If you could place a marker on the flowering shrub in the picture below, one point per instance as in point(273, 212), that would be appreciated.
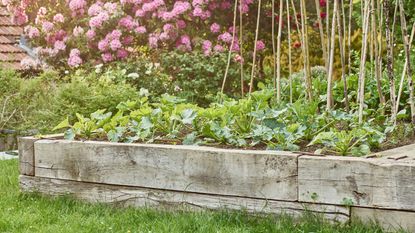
point(74, 31)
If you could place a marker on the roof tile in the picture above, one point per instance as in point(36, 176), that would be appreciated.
point(10, 30)
point(3, 11)
point(10, 54)
point(6, 48)
point(6, 21)
point(13, 57)
point(6, 40)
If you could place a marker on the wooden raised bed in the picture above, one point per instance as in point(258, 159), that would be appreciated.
point(340, 188)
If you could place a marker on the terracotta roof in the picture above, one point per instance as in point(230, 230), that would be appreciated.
point(10, 53)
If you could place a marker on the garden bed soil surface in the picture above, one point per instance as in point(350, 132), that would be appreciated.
point(378, 187)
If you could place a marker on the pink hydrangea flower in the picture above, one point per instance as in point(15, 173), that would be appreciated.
point(59, 18)
point(238, 58)
point(59, 45)
point(260, 45)
point(77, 6)
point(218, 48)
point(31, 32)
point(207, 47)
point(225, 37)
point(127, 22)
point(74, 58)
point(115, 45)
point(181, 24)
point(140, 30)
point(122, 53)
point(78, 31)
point(95, 9)
point(185, 43)
point(215, 28)
point(111, 7)
point(153, 41)
point(107, 57)
point(128, 40)
point(47, 26)
point(90, 34)
point(103, 45)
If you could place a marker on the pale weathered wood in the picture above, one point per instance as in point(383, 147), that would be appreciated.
point(26, 155)
point(259, 174)
point(390, 220)
point(405, 153)
point(367, 182)
point(143, 197)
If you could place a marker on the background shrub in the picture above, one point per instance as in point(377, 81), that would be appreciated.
point(42, 101)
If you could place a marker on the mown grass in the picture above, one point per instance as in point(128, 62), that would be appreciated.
point(34, 213)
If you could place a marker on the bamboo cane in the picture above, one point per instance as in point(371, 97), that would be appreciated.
point(304, 32)
point(377, 57)
point(349, 36)
point(408, 60)
point(343, 60)
point(398, 99)
point(321, 30)
point(331, 61)
point(274, 57)
point(230, 49)
point(389, 57)
point(279, 51)
point(362, 70)
point(289, 51)
point(241, 46)
point(251, 83)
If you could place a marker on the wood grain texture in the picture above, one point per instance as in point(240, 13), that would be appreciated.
point(143, 197)
point(390, 220)
point(259, 174)
point(375, 182)
point(26, 155)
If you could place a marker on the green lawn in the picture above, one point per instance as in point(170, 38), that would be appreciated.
point(33, 213)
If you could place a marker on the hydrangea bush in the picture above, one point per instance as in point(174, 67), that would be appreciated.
point(71, 32)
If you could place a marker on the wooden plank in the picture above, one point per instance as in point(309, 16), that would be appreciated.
point(26, 155)
point(259, 174)
point(143, 197)
point(391, 220)
point(377, 182)
point(404, 152)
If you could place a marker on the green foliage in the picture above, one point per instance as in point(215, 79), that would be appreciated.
point(353, 142)
point(193, 76)
point(42, 101)
point(249, 122)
